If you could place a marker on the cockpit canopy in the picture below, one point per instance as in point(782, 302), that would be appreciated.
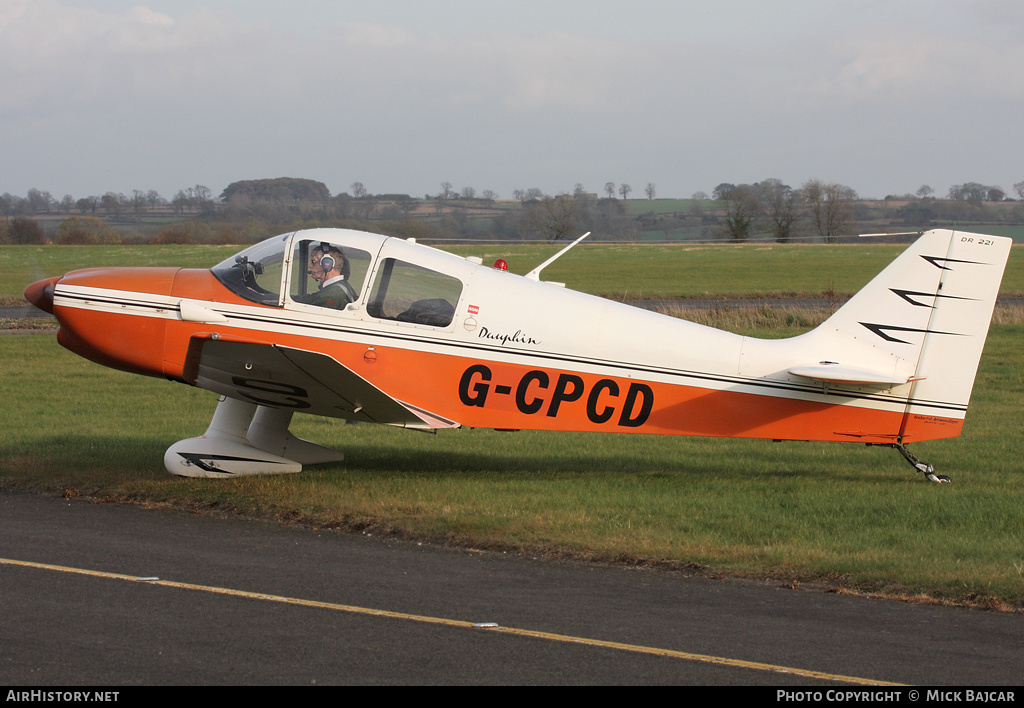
point(288, 271)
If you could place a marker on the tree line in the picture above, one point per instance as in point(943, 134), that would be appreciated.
point(196, 199)
point(250, 209)
point(829, 209)
point(775, 207)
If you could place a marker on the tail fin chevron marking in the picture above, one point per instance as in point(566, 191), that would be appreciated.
point(878, 329)
point(909, 294)
point(934, 260)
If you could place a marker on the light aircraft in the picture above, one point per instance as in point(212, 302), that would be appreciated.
point(425, 339)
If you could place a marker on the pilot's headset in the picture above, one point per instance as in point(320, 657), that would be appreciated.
point(327, 261)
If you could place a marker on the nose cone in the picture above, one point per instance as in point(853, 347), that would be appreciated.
point(40, 293)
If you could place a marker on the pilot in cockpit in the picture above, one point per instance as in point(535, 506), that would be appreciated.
point(329, 267)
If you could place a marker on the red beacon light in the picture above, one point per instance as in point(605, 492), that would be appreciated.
point(501, 264)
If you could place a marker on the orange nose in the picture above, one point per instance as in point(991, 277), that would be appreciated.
point(40, 293)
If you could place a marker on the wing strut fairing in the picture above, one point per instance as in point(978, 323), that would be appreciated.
point(245, 439)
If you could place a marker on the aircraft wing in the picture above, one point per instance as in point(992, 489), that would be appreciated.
point(297, 379)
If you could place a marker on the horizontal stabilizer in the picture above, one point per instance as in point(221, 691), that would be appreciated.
point(833, 372)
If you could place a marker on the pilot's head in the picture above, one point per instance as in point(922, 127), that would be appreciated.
point(326, 263)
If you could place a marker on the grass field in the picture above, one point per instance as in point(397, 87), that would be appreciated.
point(847, 516)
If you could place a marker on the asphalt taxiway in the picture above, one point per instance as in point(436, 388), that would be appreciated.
point(121, 595)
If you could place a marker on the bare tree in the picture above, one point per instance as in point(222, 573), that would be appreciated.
point(1018, 187)
point(364, 209)
point(554, 218)
point(831, 207)
point(446, 191)
point(111, 204)
point(813, 193)
point(624, 190)
point(722, 190)
point(970, 192)
point(10, 204)
point(779, 206)
point(138, 201)
point(609, 189)
point(358, 190)
point(468, 193)
point(741, 212)
point(39, 202)
point(202, 199)
point(649, 190)
point(407, 204)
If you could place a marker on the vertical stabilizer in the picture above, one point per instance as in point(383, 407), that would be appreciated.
point(923, 321)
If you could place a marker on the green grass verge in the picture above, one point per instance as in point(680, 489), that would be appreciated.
point(847, 515)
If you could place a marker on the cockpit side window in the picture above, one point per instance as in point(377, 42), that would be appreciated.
point(406, 292)
point(255, 273)
point(328, 274)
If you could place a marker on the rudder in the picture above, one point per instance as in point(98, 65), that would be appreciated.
point(970, 273)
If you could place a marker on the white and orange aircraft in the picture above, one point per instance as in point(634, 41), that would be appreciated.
point(416, 337)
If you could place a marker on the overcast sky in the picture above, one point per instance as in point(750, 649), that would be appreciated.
point(402, 95)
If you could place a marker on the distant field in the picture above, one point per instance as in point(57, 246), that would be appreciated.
point(631, 270)
point(664, 206)
point(1014, 232)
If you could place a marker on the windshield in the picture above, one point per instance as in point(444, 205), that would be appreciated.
point(255, 273)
